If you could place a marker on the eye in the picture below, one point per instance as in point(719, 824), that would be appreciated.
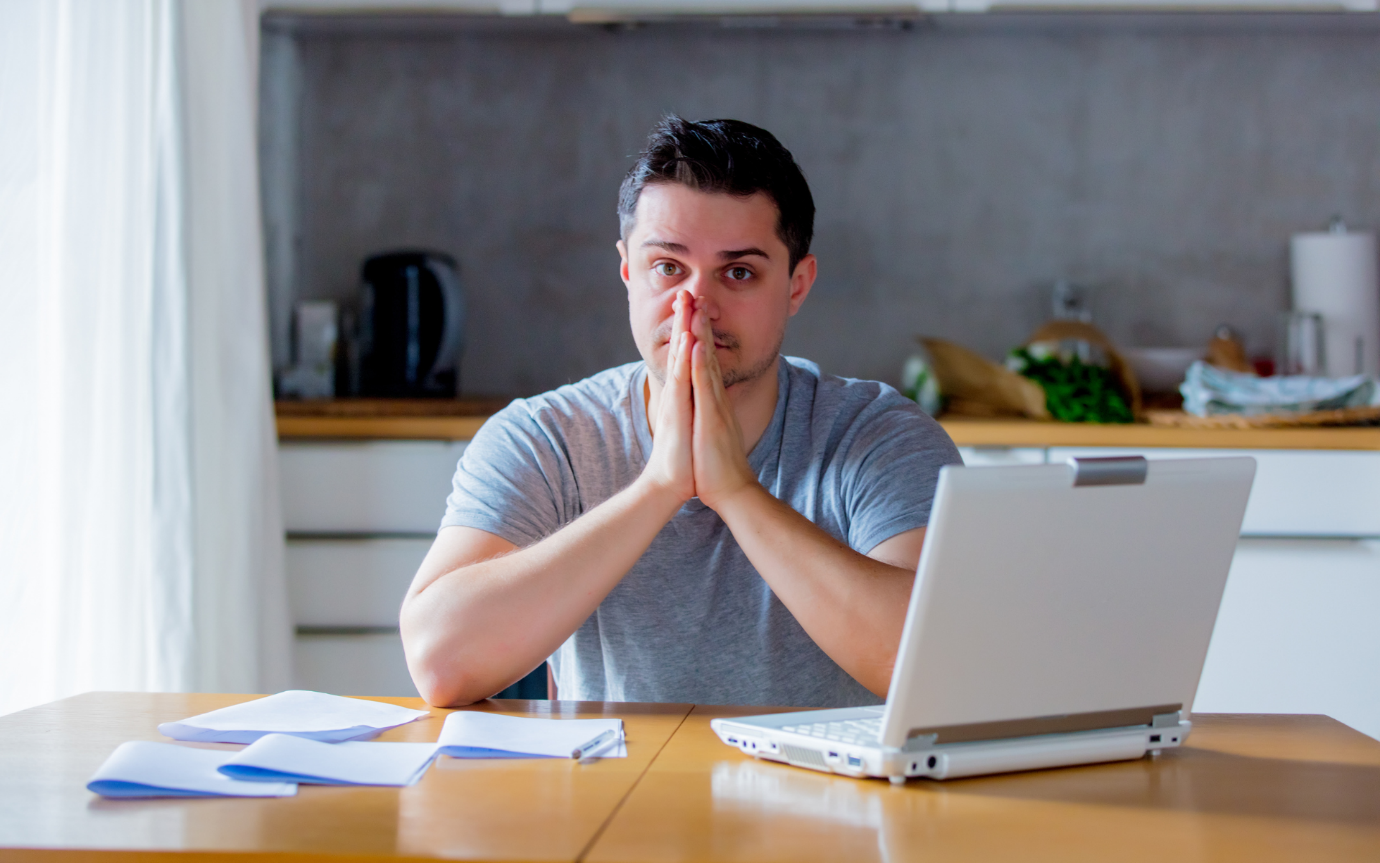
point(666, 268)
point(739, 274)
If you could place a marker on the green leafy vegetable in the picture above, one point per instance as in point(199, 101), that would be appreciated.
point(1074, 391)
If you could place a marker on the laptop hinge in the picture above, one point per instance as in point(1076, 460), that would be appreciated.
point(1117, 470)
point(1157, 716)
point(1167, 720)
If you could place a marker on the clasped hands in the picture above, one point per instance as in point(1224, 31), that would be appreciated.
point(697, 444)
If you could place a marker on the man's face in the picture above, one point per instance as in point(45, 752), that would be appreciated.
point(726, 252)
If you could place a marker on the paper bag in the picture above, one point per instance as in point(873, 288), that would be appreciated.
point(973, 385)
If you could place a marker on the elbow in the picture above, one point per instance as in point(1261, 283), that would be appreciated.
point(440, 684)
point(437, 669)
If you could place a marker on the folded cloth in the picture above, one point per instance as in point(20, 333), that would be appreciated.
point(1208, 391)
point(286, 758)
point(314, 715)
point(142, 768)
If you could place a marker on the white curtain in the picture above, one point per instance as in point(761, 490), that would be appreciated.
point(141, 541)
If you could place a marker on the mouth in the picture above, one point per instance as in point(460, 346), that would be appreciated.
point(722, 342)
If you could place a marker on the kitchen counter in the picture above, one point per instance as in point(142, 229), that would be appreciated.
point(387, 419)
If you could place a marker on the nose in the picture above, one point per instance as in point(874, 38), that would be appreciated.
point(703, 288)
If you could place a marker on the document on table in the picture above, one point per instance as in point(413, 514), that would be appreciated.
point(286, 758)
point(470, 734)
point(314, 715)
point(142, 768)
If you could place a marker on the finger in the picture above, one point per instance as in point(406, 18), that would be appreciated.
point(673, 352)
point(703, 379)
point(684, 306)
point(696, 364)
point(682, 368)
point(704, 329)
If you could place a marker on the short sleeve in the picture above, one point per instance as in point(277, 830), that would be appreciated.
point(510, 480)
point(891, 469)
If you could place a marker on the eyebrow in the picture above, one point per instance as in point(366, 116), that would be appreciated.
point(727, 255)
point(667, 245)
point(743, 253)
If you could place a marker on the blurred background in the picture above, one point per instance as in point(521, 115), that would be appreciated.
point(961, 165)
point(270, 264)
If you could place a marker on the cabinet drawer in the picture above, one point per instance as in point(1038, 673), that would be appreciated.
point(1296, 632)
point(351, 582)
point(995, 456)
point(366, 487)
point(353, 665)
point(1296, 492)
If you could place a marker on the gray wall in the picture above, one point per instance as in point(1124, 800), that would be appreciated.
point(957, 170)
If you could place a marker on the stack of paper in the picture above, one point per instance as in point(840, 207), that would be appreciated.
point(468, 734)
point(293, 736)
point(314, 715)
point(285, 758)
point(141, 768)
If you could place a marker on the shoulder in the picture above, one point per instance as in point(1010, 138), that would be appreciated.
point(585, 405)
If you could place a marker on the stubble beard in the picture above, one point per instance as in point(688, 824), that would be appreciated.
point(732, 376)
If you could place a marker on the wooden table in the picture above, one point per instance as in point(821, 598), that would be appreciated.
point(1245, 788)
point(529, 809)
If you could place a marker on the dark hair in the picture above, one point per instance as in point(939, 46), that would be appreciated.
point(727, 156)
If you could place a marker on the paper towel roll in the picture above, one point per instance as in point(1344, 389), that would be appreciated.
point(1334, 274)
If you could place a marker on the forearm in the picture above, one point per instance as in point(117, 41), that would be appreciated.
point(478, 628)
point(852, 606)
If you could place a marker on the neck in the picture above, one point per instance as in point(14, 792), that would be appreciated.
point(754, 403)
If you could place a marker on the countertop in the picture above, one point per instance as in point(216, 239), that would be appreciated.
point(388, 419)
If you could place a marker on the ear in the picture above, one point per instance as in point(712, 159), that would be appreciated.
point(623, 267)
point(801, 281)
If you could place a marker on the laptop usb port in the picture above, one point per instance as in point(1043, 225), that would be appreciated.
point(854, 761)
point(1154, 738)
point(733, 740)
point(834, 755)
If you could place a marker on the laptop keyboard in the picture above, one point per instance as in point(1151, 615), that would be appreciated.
point(860, 732)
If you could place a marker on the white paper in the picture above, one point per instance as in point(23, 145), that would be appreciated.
point(142, 768)
point(286, 758)
point(314, 715)
point(470, 734)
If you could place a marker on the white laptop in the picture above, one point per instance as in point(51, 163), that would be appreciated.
point(1061, 615)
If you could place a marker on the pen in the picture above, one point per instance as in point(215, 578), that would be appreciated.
point(597, 743)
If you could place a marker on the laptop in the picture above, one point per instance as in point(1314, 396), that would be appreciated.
point(1061, 615)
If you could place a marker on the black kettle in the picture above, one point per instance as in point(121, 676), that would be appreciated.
point(411, 325)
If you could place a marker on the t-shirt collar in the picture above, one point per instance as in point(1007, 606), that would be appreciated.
point(761, 451)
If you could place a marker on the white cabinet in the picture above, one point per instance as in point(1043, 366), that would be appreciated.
point(360, 517)
point(370, 664)
point(1296, 492)
point(997, 456)
point(367, 487)
point(1162, 5)
point(1298, 632)
point(351, 582)
point(1299, 627)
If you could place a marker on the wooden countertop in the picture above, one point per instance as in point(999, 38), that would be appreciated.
point(459, 420)
point(1261, 788)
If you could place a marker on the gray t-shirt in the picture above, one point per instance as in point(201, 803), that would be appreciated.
point(692, 621)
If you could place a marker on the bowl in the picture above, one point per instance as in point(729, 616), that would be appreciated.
point(1161, 370)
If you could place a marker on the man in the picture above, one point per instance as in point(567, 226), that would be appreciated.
point(715, 524)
